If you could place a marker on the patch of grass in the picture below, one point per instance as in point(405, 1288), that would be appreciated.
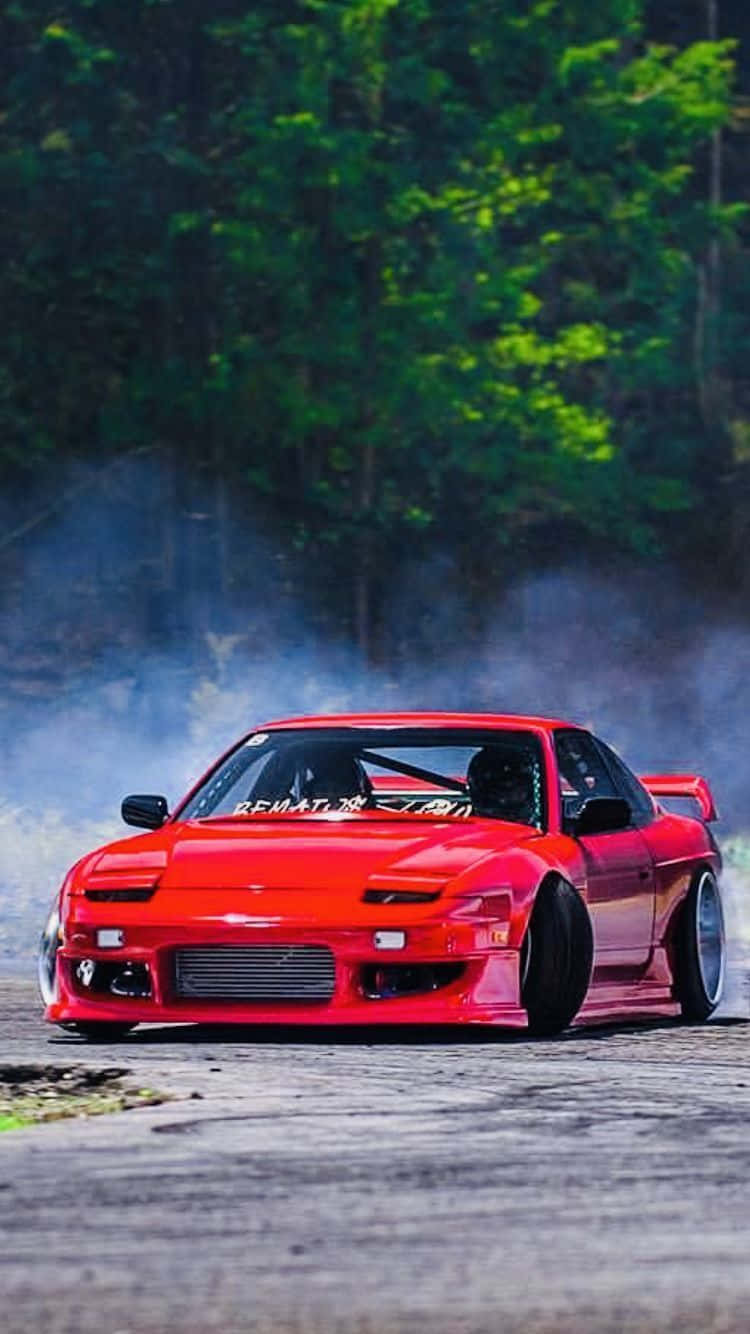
point(31, 1094)
point(12, 1122)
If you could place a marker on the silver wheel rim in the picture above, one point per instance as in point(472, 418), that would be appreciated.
point(709, 935)
point(47, 960)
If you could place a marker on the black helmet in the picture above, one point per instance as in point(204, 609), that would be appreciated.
point(332, 772)
point(502, 782)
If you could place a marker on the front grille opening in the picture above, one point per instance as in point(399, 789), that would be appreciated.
point(123, 978)
point(119, 895)
point(384, 981)
point(255, 973)
point(400, 896)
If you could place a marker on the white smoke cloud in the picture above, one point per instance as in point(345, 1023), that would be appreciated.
point(631, 652)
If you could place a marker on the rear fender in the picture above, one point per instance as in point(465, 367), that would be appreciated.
point(672, 924)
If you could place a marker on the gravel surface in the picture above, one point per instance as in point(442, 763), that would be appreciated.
point(378, 1185)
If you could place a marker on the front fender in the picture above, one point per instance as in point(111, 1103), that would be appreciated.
point(521, 871)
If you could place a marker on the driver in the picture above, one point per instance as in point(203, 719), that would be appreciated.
point(310, 773)
point(332, 772)
point(501, 783)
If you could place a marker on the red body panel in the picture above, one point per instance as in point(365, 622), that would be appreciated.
point(299, 879)
point(683, 785)
point(620, 899)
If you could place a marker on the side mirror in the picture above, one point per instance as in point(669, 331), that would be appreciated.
point(146, 812)
point(601, 815)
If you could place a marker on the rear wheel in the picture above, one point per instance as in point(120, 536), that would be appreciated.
point(556, 958)
point(700, 949)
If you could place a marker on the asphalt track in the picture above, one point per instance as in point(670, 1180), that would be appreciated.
point(372, 1184)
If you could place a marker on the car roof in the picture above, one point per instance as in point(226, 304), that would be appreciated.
point(498, 720)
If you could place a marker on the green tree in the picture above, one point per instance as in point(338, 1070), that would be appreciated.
point(407, 271)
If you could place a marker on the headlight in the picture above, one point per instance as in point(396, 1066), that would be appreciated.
point(389, 940)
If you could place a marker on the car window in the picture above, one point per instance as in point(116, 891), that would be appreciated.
point(628, 785)
point(495, 773)
point(582, 771)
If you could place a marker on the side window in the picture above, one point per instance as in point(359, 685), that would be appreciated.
point(628, 786)
point(583, 772)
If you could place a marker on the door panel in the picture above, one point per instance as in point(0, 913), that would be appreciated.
point(619, 865)
point(620, 873)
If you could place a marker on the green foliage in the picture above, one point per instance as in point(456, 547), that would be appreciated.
point(397, 266)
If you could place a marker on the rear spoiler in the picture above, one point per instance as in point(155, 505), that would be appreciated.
point(683, 785)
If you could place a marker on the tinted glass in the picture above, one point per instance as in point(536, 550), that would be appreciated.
point(628, 785)
point(448, 772)
point(583, 772)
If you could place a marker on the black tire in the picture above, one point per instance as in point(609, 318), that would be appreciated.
point(556, 958)
point(96, 1031)
point(700, 949)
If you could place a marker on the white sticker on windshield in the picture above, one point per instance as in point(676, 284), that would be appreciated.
point(437, 807)
point(257, 740)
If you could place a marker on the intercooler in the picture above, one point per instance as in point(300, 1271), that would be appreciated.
point(255, 973)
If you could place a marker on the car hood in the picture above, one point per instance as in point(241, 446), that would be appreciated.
point(305, 854)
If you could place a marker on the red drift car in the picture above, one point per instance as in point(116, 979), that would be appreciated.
point(403, 868)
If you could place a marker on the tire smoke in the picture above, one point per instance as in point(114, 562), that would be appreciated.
point(100, 699)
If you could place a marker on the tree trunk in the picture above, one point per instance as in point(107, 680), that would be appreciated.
point(368, 417)
point(711, 404)
point(363, 575)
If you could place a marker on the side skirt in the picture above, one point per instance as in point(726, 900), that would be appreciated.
point(641, 1000)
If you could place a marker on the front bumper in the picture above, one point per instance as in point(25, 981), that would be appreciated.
point(486, 991)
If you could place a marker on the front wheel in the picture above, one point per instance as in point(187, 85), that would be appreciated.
point(47, 957)
point(700, 949)
point(556, 958)
point(47, 977)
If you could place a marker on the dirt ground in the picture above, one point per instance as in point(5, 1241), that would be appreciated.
point(376, 1184)
point(34, 1093)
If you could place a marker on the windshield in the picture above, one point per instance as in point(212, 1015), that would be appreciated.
point(444, 772)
